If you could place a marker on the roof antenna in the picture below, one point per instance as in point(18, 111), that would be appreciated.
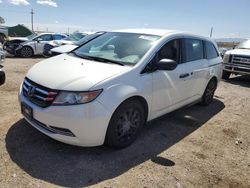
point(211, 32)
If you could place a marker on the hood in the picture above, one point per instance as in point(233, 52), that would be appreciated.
point(18, 38)
point(64, 48)
point(239, 52)
point(65, 72)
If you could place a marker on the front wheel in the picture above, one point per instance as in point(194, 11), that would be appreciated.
point(26, 52)
point(125, 124)
point(208, 95)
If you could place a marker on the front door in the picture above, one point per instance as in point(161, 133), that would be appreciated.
point(40, 42)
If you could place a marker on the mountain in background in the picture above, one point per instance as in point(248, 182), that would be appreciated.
point(236, 40)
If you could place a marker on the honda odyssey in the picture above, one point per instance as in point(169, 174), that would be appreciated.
point(105, 90)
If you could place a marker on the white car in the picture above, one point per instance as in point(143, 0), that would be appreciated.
point(69, 47)
point(32, 45)
point(107, 89)
point(237, 61)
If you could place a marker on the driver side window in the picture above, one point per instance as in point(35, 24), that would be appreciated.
point(45, 37)
point(170, 50)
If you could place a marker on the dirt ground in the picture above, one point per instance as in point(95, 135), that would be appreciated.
point(192, 147)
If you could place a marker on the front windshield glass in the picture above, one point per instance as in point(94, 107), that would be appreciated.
point(125, 48)
point(75, 36)
point(244, 45)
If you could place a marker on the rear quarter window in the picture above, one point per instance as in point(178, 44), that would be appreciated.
point(211, 51)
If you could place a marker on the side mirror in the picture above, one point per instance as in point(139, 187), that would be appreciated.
point(110, 47)
point(38, 39)
point(166, 64)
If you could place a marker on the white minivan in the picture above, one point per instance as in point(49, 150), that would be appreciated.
point(107, 89)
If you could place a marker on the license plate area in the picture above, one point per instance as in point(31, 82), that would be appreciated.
point(27, 111)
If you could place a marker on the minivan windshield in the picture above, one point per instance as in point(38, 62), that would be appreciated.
point(244, 45)
point(119, 48)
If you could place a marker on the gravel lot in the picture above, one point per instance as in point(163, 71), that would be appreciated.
point(192, 147)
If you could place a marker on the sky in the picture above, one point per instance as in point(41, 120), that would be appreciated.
point(229, 18)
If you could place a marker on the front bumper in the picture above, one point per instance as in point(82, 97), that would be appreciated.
point(88, 122)
point(239, 69)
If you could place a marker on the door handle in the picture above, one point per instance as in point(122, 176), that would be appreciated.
point(184, 75)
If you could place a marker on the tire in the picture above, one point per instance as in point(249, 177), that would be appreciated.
point(2, 78)
point(125, 124)
point(46, 55)
point(208, 95)
point(26, 52)
point(226, 75)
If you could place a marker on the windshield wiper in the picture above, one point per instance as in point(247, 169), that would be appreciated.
point(75, 54)
point(107, 60)
point(244, 48)
point(98, 59)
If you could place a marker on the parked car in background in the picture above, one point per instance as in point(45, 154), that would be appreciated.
point(3, 34)
point(69, 47)
point(237, 61)
point(70, 40)
point(2, 73)
point(31, 45)
point(108, 88)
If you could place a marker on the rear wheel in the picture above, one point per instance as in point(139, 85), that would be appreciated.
point(26, 52)
point(208, 95)
point(226, 75)
point(125, 124)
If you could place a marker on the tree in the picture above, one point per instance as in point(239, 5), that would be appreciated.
point(2, 21)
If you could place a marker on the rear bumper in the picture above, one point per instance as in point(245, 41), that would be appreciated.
point(239, 69)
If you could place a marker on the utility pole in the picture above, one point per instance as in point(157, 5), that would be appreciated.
point(32, 13)
point(211, 32)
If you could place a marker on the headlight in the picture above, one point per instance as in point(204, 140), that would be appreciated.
point(226, 58)
point(72, 98)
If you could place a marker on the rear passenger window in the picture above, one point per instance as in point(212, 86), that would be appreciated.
point(192, 50)
point(211, 50)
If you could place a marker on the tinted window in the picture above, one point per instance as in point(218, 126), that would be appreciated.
point(58, 37)
point(45, 37)
point(170, 51)
point(211, 50)
point(192, 50)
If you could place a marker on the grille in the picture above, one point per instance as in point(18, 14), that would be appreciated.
point(241, 60)
point(37, 94)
